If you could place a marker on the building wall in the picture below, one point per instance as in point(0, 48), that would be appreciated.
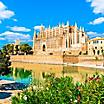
point(40, 59)
point(96, 46)
point(45, 59)
point(70, 59)
point(55, 59)
point(60, 38)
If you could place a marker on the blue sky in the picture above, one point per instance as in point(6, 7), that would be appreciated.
point(18, 17)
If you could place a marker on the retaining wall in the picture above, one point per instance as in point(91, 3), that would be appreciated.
point(51, 59)
point(40, 59)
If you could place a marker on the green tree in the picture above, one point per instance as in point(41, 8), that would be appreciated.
point(4, 64)
point(11, 49)
point(25, 48)
point(8, 49)
point(16, 49)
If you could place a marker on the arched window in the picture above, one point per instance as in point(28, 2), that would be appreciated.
point(66, 44)
point(98, 52)
point(44, 47)
point(94, 52)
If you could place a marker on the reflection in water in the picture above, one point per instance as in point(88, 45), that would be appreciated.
point(22, 75)
point(13, 86)
point(78, 73)
point(4, 95)
point(19, 75)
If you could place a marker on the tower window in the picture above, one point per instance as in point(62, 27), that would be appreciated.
point(71, 41)
point(98, 52)
point(36, 36)
point(44, 47)
point(97, 41)
point(95, 47)
point(66, 44)
point(94, 52)
point(82, 34)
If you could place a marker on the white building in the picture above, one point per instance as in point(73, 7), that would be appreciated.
point(95, 46)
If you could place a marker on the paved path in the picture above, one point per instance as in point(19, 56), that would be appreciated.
point(8, 100)
point(5, 95)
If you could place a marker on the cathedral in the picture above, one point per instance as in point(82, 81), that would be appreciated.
point(61, 39)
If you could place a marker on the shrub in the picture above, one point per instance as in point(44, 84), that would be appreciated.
point(63, 91)
point(93, 90)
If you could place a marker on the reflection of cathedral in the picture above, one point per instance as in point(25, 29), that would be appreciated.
point(59, 39)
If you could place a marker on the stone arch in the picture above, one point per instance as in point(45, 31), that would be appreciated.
point(98, 52)
point(66, 43)
point(44, 47)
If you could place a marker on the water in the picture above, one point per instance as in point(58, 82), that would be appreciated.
point(19, 76)
point(38, 70)
point(23, 73)
point(19, 79)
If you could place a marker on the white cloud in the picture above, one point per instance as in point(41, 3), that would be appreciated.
point(11, 36)
point(92, 34)
point(88, 0)
point(97, 5)
point(0, 22)
point(2, 38)
point(38, 27)
point(2, 6)
point(97, 21)
point(15, 20)
point(4, 12)
point(19, 29)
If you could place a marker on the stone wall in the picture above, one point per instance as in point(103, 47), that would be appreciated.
point(83, 58)
point(70, 59)
point(45, 59)
point(40, 59)
point(52, 59)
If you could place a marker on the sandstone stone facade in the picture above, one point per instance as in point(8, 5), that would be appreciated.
point(59, 40)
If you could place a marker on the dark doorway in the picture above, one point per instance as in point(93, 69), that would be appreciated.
point(66, 44)
point(98, 52)
point(94, 52)
point(44, 47)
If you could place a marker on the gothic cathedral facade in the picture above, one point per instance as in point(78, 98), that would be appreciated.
point(59, 39)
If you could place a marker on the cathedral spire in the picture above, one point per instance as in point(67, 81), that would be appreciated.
point(62, 24)
point(83, 29)
point(67, 23)
point(80, 28)
point(75, 24)
point(34, 32)
point(41, 27)
point(49, 27)
point(59, 24)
